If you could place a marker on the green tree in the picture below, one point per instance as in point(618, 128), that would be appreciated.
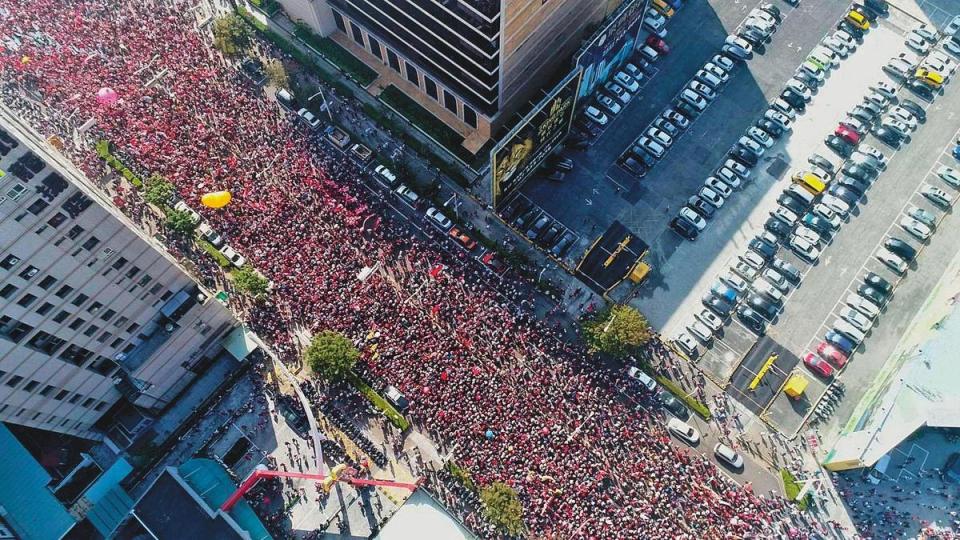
point(231, 35)
point(180, 222)
point(276, 73)
point(248, 281)
point(331, 355)
point(159, 191)
point(502, 507)
point(617, 331)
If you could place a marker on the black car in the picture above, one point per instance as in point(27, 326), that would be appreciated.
point(701, 207)
point(773, 11)
point(817, 223)
point(526, 217)
point(792, 203)
point(762, 306)
point(634, 167)
point(845, 194)
point(878, 283)
point(857, 186)
point(551, 234)
point(763, 248)
point(915, 109)
point(865, 115)
point(851, 29)
point(778, 228)
point(921, 90)
point(686, 109)
point(773, 128)
point(684, 228)
point(719, 305)
point(807, 79)
point(822, 162)
point(878, 6)
point(755, 37)
point(889, 137)
point(787, 270)
point(673, 405)
point(860, 171)
point(560, 248)
point(745, 155)
point(646, 159)
point(868, 13)
point(516, 207)
point(901, 248)
point(905, 135)
point(752, 320)
point(872, 294)
point(794, 99)
point(841, 146)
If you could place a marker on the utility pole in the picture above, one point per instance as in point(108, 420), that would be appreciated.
point(326, 105)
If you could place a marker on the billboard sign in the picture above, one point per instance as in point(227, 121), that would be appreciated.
point(610, 46)
point(519, 154)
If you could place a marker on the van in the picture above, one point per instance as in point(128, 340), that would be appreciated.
point(858, 20)
point(662, 8)
point(849, 330)
point(286, 99)
point(649, 53)
point(810, 182)
point(801, 194)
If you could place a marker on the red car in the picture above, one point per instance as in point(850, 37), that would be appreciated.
point(835, 355)
point(463, 239)
point(818, 365)
point(848, 134)
point(658, 44)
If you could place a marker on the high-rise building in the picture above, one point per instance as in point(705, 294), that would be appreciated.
point(94, 316)
point(473, 63)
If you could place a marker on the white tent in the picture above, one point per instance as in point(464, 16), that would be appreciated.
point(422, 517)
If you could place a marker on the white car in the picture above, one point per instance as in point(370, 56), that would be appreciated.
point(407, 194)
point(700, 331)
point(885, 88)
point(725, 63)
point(660, 136)
point(183, 207)
point(654, 21)
point(710, 319)
point(309, 118)
point(836, 45)
point(896, 125)
point(627, 81)
point(863, 305)
point(737, 167)
point(686, 344)
point(753, 259)
point(919, 230)
point(760, 136)
point(778, 117)
point(902, 115)
point(653, 147)
point(808, 234)
point(825, 56)
point(951, 46)
point(949, 175)
point(857, 319)
point(839, 206)
point(875, 154)
point(892, 260)
point(711, 197)
point(684, 431)
point(675, 118)
point(645, 380)
point(693, 98)
point(717, 185)
point(777, 280)
point(952, 27)
point(717, 71)
point(609, 104)
point(727, 455)
point(439, 219)
point(738, 42)
point(703, 90)
point(746, 271)
point(804, 249)
point(785, 215)
point(782, 106)
point(385, 174)
point(696, 219)
point(937, 66)
point(813, 69)
point(735, 282)
point(617, 91)
point(927, 33)
point(916, 42)
point(844, 37)
point(944, 59)
point(210, 235)
point(828, 215)
point(803, 90)
point(936, 195)
point(235, 258)
point(729, 177)
point(752, 145)
point(709, 78)
point(596, 115)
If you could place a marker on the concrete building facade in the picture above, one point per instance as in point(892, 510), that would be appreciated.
point(93, 316)
point(473, 63)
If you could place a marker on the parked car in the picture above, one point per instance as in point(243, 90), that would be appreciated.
point(683, 431)
point(818, 365)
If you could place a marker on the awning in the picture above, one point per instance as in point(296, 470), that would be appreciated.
point(239, 343)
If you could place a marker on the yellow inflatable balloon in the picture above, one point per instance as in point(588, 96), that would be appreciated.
point(217, 199)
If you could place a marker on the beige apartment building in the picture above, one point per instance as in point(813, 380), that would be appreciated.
point(93, 316)
point(473, 63)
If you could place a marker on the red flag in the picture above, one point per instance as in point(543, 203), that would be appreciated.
point(435, 309)
point(435, 271)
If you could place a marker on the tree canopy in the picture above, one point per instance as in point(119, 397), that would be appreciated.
point(231, 35)
point(331, 355)
point(276, 73)
point(180, 222)
point(618, 331)
point(158, 190)
point(248, 281)
point(502, 507)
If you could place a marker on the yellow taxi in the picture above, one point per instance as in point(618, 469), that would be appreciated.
point(809, 181)
point(929, 77)
point(857, 19)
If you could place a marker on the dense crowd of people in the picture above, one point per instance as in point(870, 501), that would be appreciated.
point(483, 376)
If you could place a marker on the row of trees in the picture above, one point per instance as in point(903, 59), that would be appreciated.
point(232, 36)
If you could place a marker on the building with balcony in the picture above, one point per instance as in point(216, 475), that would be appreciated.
point(96, 320)
point(472, 63)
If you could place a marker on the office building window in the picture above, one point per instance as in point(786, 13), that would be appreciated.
point(29, 272)
point(103, 365)
point(338, 18)
point(31, 385)
point(116, 343)
point(61, 395)
point(412, 75)
point(74, 232)
point(26, 300)
point(47, 282)
point(357, 34)
point(45, 308)
point(431, 87)
point(57, 220)
point(104, 337)
point(87, 403)
point(45, 343)
point(14, 381)
point(119, 263)
point(62, 316)
point(91, 330)
point(76, 355)
point(75, 398)
point(469, 116)
point(120, 322)
point(375, 47)
point(80, 299)
point(38, 206)
point(64, 291)
point(91, 243)
point(7, 291)
point(94, 307)
point(132, 328)
point(132, 272)
point(77, 323)
point(47, 389)
point(9, 262)
point(449, 102)
point(393, 60)
point(107, 315)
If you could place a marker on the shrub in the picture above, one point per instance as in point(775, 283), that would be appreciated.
point(221, 260)
point(461, 475)
point(351, 66)
point(180, 222)
point(248, 281)
point(392, 414)
point(159, 191)
point(702, 410)
point(791, 489)
point(423, 119)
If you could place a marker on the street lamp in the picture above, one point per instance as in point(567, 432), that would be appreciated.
point(326, 105)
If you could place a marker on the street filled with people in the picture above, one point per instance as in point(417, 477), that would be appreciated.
point(482, 374)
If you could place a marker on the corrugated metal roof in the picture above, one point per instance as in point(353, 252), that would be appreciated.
point(110, 510)
point(32, 510)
